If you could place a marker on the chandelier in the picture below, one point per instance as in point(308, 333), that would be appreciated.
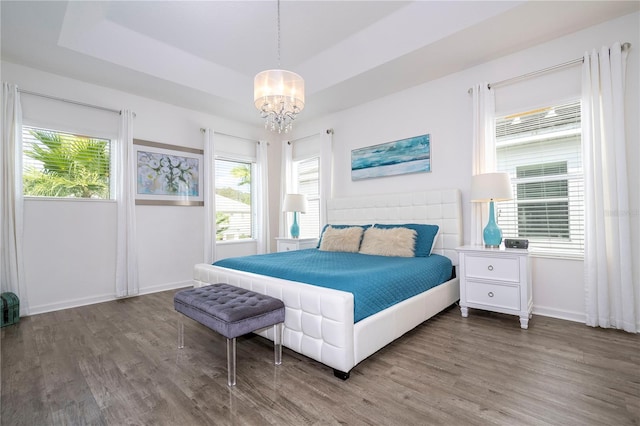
point(278, 95)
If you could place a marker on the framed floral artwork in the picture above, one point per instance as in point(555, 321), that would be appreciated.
point(168, 174)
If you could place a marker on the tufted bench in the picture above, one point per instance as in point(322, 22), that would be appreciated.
point(232, 312)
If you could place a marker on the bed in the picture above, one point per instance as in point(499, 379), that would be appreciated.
point(319, 321)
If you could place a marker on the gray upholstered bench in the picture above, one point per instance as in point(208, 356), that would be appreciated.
point(232, 312)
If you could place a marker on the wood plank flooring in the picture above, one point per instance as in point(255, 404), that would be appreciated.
point(116, 363)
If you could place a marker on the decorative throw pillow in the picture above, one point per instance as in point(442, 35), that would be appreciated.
point(364, 228)
point(426, 237)
point(398, 242)
point(341, 239)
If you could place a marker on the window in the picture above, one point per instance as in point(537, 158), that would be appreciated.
point(542, 152)
point(543, 206)
point(65, 165)
point(234, 200)
point(306, 168)
point(307, 178)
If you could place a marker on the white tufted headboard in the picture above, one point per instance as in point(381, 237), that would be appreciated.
point(441, 207)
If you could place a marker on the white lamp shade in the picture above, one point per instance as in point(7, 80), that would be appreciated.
point(295, 203)
point(275, 86)
point(491, 186)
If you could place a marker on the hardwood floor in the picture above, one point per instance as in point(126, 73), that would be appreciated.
point(117, 363)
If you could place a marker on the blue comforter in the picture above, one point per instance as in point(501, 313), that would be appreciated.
point(376, 282)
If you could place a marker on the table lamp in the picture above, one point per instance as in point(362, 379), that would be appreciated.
point(295, 203)
point(491, 187)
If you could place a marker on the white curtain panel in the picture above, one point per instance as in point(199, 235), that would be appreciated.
point(262, 199)
point(126, 245)
point(484, 151)
point(326, 172)
point(209, 198)
point(609, 286)
point(11, 200)
point(287, 185)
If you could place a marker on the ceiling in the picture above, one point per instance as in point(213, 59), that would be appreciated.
point(203, 55)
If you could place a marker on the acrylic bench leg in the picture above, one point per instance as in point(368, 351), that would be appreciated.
point(180, 334)
point(231, 361)
point(277, 343)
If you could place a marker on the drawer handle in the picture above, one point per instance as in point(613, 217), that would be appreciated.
point(490, 294)
point(490, 267)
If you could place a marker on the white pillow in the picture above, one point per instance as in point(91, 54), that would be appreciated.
point(398, 242)
point(341, 239)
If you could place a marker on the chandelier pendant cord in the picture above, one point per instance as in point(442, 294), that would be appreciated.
point(278, 33)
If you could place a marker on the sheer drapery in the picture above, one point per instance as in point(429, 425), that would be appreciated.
point(484, 151)
point(609, 287)
point(11, 200)
point(262, 199)
point(209, 198)
point(286, 187)
point(127, 283)
point(326, 174)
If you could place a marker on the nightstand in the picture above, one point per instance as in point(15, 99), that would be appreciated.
point(290, 244)
point(496, 279)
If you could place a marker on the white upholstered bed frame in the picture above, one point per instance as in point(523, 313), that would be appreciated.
point(319, 321)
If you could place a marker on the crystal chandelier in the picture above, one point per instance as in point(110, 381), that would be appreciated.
point(278, 95)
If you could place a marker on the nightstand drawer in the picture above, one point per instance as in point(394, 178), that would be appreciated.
point(492, 268)
point(282, 246)
point(502, 296)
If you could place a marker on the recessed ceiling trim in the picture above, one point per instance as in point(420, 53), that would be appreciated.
point(86, 30)
point(409, 28)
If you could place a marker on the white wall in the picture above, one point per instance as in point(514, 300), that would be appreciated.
point(443, 109)
point(69, 246)
point(65, 268)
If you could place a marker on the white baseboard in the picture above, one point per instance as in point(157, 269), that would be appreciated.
point(565, 315)
point(74, 303)
point(560, 314)
point(164, 287)
point(91, 300)
point(69, 303)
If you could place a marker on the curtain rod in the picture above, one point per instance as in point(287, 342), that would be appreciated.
point(202, 129)
point(69, 101)
point(625, 46)
point(328, 131)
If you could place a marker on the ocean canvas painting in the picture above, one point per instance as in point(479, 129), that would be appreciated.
point(411, 155)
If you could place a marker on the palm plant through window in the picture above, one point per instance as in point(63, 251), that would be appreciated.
point(58, 164)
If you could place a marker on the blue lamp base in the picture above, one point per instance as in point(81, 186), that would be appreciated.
point(492, 234)
point(295, 229)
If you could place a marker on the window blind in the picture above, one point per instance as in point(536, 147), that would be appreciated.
point(308, 182)
point(76, 119)
point(64, 165)
point(305, 155)
point(306, 147)
point(234, 211)
point(234, 147)
point(542, 152)
point(72, 157)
